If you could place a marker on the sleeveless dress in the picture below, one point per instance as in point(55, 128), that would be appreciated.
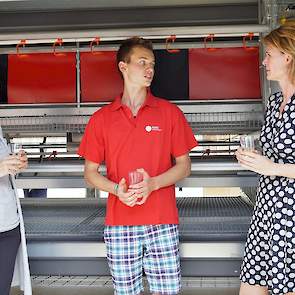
point(269, 258)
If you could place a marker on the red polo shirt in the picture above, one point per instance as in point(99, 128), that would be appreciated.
point(151, 140)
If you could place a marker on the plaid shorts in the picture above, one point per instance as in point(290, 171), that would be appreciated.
point(152, 248)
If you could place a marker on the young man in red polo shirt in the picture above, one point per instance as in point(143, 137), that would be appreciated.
point(139, 132)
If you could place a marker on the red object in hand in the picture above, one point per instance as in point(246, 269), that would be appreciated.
point(135, 177)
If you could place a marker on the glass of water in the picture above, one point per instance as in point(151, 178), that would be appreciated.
point(16, 148)
point(247, 142)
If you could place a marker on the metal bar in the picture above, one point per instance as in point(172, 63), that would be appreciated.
point(189, 106)
point(208, 164)
point(218, 143)
point(121, 34)
point(24, 5)
point(195, 180)
point(113, 47)
point(78, 81)
point(230, 180)
point(64, 145)
point(41, 145)
point(51, 182)
point(51, 249)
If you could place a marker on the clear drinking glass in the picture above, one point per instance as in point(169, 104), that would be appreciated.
point(247, 142)
point(16, 148)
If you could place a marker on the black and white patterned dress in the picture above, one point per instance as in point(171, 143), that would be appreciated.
point(269, 258)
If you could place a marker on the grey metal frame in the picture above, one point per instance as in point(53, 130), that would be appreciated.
point(76, 258)
point(213, 259)
point(207, 117)
point(69, 174)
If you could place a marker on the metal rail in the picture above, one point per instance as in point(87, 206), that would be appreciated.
point(205, 117)
point(205, 173)
point(198, 165)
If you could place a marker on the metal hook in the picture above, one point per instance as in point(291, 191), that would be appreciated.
point(58, 42)
point(23, 44)
point(170, 40)
point(211, 37)
point(96, 40)
point(250, 36)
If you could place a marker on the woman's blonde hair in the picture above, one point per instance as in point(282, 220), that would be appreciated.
point(283, 38)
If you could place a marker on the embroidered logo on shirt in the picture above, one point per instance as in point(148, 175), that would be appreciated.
point(149, 128)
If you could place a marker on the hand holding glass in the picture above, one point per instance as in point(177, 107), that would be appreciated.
point(247, 142)
point(135, 177)
point(16, 148)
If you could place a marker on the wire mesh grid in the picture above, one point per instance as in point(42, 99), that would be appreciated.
point(74, 221)
point(45, 124)
point(226, 218)
point(200, 219)
point(210, 122)
point(225, 122)
point(106, 281)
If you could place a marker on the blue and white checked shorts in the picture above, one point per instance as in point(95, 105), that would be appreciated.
point(152, 248)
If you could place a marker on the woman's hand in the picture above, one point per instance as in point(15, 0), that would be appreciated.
point(22, 156)
point(254, 161)
point(11, 165)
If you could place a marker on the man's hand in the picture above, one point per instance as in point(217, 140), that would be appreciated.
point(255, 162)
point(143, 189)
point(127, 197)
point(11, 165)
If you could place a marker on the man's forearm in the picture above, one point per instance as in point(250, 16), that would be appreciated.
point(171, 176)
point(99, 181)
